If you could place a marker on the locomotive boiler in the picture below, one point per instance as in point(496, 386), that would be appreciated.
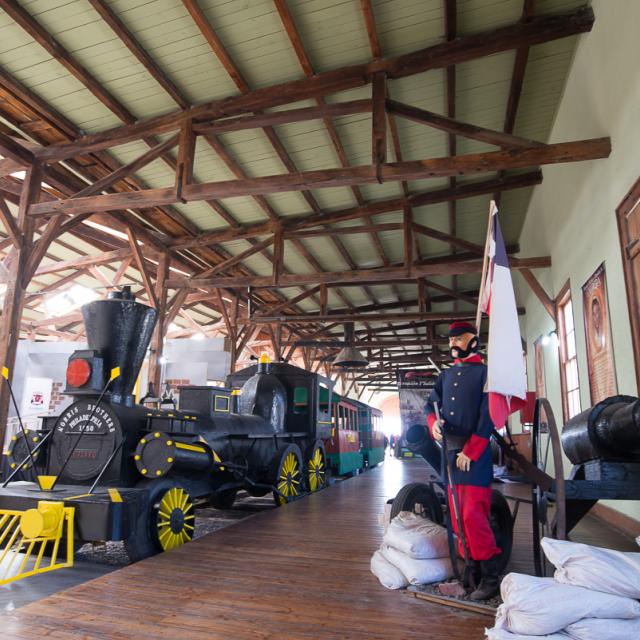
point(134, 474)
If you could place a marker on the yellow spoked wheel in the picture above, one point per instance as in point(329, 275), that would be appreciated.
point(288, 479)
point(176, 518)
point(317, 469)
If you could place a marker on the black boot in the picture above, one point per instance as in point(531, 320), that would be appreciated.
point(490, 583)
point(472, 575)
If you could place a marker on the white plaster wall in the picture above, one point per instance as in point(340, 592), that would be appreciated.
point(571, 216)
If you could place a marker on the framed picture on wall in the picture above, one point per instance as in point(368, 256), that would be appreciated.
point(602, 372)
point(541, 389)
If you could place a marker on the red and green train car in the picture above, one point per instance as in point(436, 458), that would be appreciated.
point(356, 441)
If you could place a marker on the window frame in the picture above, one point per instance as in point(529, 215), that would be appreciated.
point(562, 299)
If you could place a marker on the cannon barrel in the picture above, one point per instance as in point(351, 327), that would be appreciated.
point(419, 441)
point(608, 431)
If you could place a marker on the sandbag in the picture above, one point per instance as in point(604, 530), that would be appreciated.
point(503, 634)
point(615, 572)
point(539, 606)
point(418, 571)
point(417, 537)
point(603, 629)
point(389, 576)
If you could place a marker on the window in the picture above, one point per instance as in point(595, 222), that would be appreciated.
point(221, 403)
point(568, 361)
point(301, 400)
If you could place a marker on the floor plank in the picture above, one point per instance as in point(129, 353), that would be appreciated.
point(301, 571)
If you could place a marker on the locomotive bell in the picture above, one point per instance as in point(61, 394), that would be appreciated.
point(120, 329)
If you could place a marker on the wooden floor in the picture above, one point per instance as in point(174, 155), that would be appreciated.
point(301, 571)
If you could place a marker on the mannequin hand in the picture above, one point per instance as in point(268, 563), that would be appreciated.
point(463, 462)
point(437, 430)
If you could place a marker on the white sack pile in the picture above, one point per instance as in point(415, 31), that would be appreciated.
point(592, 596)
point(414, 551)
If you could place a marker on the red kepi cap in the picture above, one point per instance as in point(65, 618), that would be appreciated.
point(458, 328)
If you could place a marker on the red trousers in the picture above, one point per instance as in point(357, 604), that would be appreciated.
point(475, 507)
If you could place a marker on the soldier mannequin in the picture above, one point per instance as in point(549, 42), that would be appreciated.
point(459, 393)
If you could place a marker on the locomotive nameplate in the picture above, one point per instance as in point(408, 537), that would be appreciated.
point(90, 432)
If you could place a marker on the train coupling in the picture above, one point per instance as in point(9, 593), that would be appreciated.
point(36, 540)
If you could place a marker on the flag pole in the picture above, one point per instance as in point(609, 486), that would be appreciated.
point(485, 263)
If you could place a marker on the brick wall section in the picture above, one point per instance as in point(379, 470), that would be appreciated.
point(57, 397)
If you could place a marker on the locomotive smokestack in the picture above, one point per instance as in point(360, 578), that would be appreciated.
point(120, 328)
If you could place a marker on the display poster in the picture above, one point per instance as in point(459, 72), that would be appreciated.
point(36, 396)
point(602, 373)
point(414, 386)
point(541, 391)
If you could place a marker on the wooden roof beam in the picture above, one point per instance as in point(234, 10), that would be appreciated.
point(13, 150)
point(469, 164)
point(457, 127)
point(78, 71)
point(224, 58)
point(540, 29)
point(378, 275)
point(517, 79)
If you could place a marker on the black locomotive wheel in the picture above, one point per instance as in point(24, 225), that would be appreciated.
point(316, 467)
point(167, 522)
point(287, 474)
point(548, 508)
point(419, 498)
point(501, 522)
point(17, 451)
point(223, 499)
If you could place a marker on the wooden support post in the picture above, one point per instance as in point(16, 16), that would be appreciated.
point(10, 224)
point(186, 153)
point(14, 295)
point(278, 254)
point(379, 123)
point(424, 304)
point(323, 299)
point(157, 339)
point(142, 267)
point(407, 220)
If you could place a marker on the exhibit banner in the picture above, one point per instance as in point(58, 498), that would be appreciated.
point(414, 386)
point(602, 373)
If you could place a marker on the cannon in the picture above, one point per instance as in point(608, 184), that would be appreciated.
point(603, 444)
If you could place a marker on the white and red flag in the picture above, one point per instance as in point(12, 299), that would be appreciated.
point(506, 377)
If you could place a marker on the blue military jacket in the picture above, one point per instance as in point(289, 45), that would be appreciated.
point(464, 407)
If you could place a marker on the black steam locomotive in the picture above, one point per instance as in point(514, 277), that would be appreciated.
point(136, 474)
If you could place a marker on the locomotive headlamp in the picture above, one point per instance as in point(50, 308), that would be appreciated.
point(78, 372)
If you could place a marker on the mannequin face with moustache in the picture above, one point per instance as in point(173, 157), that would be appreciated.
point(458, 345)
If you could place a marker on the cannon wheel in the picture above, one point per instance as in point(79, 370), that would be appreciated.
point(544, 521)
point(316, 467)
point(287, 474)
point(419, 498)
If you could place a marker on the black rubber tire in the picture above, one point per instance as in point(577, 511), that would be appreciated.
point(142, 543)
point(418, 493)
point(276, 469)
point(501, 522)
point(223, 499)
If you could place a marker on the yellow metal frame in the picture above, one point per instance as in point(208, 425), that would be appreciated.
point(53, 521)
